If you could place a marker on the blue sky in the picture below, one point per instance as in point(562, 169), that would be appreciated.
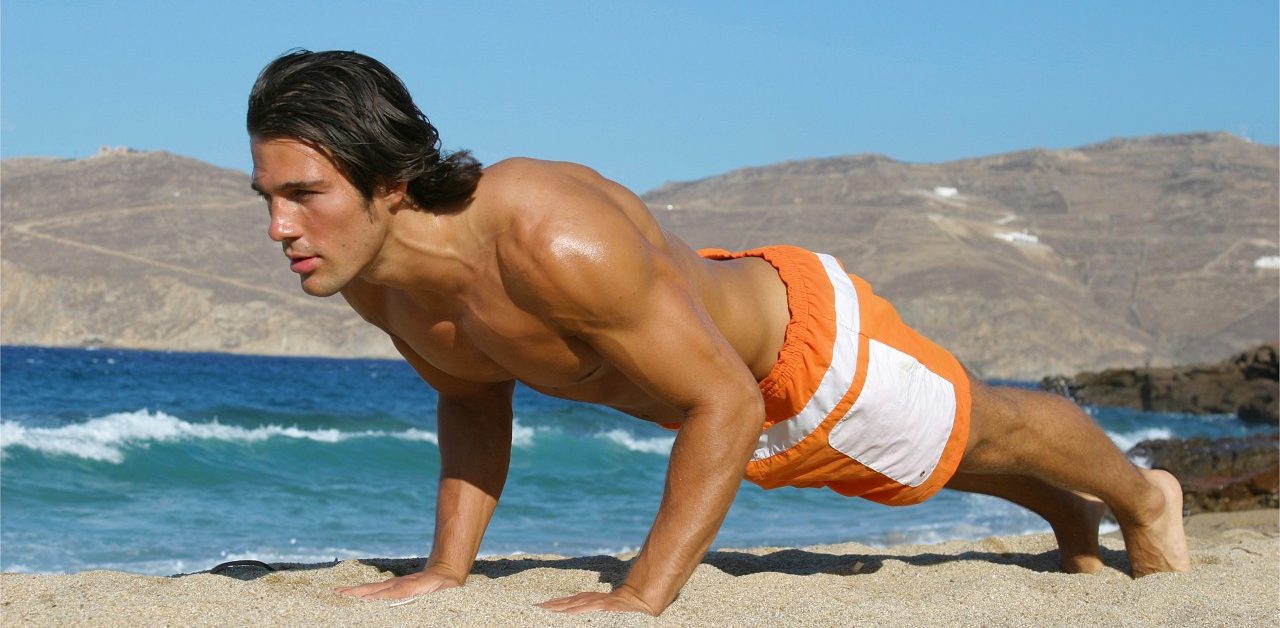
point(656, 91)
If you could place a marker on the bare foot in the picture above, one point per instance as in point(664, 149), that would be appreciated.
point(1077, 534)
point(1159, 544)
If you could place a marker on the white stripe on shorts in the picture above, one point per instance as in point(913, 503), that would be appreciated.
point(902, 419)
point(785, 434)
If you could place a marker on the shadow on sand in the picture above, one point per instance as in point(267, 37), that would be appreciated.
point(612, 570)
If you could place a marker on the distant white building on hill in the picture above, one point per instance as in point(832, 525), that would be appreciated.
point(105, 150)
point(1018, 237)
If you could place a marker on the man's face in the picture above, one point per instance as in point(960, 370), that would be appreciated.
point(329, 232)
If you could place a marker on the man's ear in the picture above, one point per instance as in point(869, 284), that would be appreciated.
point(394, 195)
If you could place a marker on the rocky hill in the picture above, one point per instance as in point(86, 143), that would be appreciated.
point(155, 251)
point(1159, 250)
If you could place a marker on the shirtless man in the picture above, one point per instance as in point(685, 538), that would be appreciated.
point(774, 361)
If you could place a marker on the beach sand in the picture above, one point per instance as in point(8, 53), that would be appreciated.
point(1235, 581)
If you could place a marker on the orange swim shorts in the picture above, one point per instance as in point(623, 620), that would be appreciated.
point(857, 402)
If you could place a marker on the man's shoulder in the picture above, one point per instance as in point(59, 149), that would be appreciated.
point(563, 231)
point(529, 170)
point(538, 201)
point(531, 184)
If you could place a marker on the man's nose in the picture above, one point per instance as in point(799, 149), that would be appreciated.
point(283, 226)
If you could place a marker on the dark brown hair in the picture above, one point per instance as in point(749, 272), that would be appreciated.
point(361, 114)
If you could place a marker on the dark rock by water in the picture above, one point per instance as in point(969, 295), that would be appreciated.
point(1244, 385)
point(1219, 475)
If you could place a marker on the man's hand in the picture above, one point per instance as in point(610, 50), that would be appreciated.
point(427, 581)
point(623, 598)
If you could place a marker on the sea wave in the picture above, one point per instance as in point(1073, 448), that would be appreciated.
point(521, 435)
point(1126, 440)
point(106, 438)
point(654, 445)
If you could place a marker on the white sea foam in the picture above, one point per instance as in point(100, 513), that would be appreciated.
point(521, 435)
point(171, 566)
point(655, 445)
point(21, 568)
point(958, 530)
point(972, 531)
point(1141, 461)
point(1126, 440)
point(418, 435)
point(504, 554)
point(106, 438)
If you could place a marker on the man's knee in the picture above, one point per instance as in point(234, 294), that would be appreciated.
point(997, 428)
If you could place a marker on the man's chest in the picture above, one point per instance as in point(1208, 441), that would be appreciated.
point(505, 344)
point(495, 342)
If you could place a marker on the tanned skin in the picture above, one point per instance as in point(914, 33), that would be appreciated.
point(555, 277)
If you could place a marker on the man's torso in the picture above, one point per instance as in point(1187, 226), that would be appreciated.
point(483, 332)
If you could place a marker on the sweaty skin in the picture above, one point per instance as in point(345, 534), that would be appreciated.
point(556, 277)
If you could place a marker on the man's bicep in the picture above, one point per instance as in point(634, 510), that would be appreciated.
point(664, 341)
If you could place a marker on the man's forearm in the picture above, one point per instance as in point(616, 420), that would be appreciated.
point(463, 511)
point(475, 453)
point(703, 476)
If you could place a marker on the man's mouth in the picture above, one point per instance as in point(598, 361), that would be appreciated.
point(302, 265)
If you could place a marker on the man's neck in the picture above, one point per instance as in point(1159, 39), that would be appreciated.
point(426, 252)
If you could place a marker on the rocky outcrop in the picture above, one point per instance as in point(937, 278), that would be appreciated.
point(1245, 385)
point(1219, 475)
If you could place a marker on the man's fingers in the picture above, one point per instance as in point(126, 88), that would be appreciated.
point(392, 593)
point(373, 590)
point(557, 604)
point(587, 607)
point(587, 602)
point(562, 604)
point(362, 590)
point(398, 588)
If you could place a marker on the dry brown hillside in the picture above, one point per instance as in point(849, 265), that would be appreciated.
point(157, 251)
point(1131, 251)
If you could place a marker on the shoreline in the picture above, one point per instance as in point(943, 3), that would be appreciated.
point(993, 581)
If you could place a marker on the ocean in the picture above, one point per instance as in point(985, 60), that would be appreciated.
point(162, 463)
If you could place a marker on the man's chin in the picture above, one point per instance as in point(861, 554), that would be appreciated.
point(318, 289)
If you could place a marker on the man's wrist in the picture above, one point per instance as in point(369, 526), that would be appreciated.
point(650, 606)
point(445, 569)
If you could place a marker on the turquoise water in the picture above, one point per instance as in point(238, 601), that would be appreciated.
point(168, 462)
